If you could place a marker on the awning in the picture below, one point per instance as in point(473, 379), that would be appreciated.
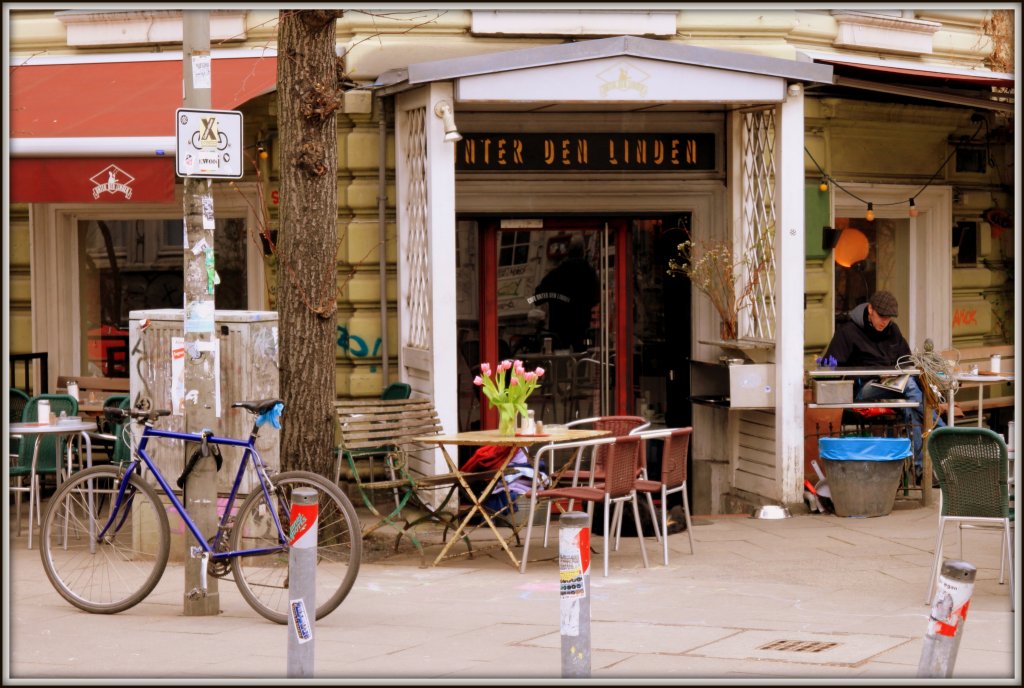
point(71, 123)
point(926, 81)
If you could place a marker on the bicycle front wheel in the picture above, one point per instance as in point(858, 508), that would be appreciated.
point(263, 579)
point(101, 556)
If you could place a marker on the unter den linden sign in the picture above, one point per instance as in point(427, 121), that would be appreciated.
point(539, 152)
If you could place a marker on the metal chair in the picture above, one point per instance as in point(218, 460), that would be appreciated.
point(675, 450)
point(621, 459)
point(34, 463)
point(971, 465)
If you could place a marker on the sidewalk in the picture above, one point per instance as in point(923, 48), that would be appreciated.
point(855, 587)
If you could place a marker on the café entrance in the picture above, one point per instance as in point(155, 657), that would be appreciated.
point(590, 300)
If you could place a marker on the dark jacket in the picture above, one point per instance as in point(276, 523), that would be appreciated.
point(857, 344)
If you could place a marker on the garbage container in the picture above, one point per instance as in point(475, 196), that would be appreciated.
point(863, 472)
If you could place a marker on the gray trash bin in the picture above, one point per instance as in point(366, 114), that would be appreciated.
point(863, 472)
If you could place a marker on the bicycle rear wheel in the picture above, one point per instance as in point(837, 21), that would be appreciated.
point(109, 574)
point(263, 579)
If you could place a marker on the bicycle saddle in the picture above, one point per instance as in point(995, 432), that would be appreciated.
point(258, 407)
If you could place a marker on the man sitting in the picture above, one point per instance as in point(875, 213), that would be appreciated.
point(870, 339)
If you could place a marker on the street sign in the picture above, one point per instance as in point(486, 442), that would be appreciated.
point(209, 143)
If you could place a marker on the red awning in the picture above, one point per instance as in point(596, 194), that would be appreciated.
point(978, 79)
point(112, 99)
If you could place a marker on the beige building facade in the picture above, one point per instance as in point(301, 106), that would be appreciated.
point(755, 128)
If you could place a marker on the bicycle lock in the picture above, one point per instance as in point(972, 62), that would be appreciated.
point(302, 521)
point(574, 592)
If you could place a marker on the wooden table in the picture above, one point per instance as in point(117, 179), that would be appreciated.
point(926, 459)
point(81, 428)
point(514, 443)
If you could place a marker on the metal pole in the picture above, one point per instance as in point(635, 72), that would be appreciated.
point(574, 593)
point(201, 594)
point(948, 615)
point(302, 581)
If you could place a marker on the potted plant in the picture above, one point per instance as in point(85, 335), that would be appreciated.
point(713, 268)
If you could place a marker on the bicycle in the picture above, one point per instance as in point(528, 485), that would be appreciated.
point(106, 540)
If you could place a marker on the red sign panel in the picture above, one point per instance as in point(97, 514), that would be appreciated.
point(92, 180)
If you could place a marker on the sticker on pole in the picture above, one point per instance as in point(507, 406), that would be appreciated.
point(949, 609)
point(208, 143)
point(573, 560)
point(300, 621)
point(302, 531)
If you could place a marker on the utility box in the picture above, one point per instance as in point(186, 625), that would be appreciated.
point(246, 351)
point(752, 385)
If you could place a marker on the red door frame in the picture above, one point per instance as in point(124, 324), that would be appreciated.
point(488, 290)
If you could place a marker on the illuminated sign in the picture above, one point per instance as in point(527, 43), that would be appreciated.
point(538, 152)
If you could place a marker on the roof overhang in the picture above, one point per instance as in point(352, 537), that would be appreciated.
point(624, 70)
point(925, 81)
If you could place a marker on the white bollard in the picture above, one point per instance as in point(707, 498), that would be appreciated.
point(574, 593)
point(302, 581)
point(948, 615)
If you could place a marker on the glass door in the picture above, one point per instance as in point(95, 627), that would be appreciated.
point(569, 294)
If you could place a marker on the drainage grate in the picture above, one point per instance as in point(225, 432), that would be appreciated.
point(798, 646)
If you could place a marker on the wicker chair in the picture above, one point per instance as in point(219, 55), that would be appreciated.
point(971, 464)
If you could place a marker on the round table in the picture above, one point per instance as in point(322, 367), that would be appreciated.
point(70, 427)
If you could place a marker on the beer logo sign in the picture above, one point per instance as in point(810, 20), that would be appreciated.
point(112, 180)
point(623, 77)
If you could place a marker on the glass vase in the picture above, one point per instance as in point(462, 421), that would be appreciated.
point(507, 417)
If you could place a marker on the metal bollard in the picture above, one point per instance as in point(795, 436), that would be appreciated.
point(574, 593)
point(948, 615)
point(302, 581)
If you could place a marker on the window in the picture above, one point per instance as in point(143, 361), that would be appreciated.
point(130, 265)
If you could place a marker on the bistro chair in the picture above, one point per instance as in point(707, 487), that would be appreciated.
point(618, 426)
point(16, 403)
point(675, 449)
point(618, 486)
point(47, 461)
point(971, 464)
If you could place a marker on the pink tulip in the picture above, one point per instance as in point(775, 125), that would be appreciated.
point(478, 381)
point(539, 371)
point(531, 376)
point(505, 365)
point(513, 382)
point(485, 368)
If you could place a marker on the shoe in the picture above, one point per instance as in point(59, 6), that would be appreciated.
point(918, 474)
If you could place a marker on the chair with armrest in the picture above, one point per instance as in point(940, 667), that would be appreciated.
point(618, 486)
point(971, 464)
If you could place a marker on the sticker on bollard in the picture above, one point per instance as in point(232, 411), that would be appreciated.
point(575, 544)
point(303, 523)
point(300, 622)
point(949, 609)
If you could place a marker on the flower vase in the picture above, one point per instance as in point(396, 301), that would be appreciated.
point(507, 417)
point(728, 330)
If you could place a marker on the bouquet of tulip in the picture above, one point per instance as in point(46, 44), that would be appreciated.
point(508, 391)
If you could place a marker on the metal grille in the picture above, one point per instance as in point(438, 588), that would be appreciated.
point(416, 258)
point(798, 646)
point(757, 231)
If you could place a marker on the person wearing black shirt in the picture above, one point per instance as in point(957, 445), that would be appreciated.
point(570, 290)
point(871, 339)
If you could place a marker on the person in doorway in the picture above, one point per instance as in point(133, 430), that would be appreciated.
point(871, 339)
point(570, 291)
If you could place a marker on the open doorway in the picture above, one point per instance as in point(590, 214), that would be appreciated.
point(587, 298)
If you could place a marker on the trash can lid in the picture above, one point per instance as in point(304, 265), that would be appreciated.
point(864, 448)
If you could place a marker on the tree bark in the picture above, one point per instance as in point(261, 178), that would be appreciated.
point(308, 97)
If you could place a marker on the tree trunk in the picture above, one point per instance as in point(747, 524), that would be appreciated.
point(308, 97)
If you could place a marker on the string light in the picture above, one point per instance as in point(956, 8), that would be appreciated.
point(827, 182)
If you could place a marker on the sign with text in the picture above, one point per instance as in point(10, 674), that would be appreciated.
point(591, 152)
point(209, 143)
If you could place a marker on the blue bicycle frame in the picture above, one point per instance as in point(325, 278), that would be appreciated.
point(249, 454)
